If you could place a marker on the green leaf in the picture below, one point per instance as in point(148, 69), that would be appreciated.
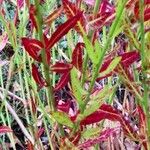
point(97, 100)
point(77, 89)
point(62, 118)
point(111, 67)
point(90, 133)
point(90, 50)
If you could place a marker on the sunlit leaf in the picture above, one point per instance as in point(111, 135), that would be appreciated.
point(72, 10)
point(62, 118)
point(33, 47)
point(37, 77)
point(62, 30)
point(61, 67)
point(76, 87)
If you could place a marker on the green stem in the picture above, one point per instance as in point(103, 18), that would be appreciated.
point(51, 100)
point(143, 58)
point(90, 35)
point(106, 46)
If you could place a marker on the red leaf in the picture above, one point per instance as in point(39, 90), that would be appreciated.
point(142, 117)
point(5, 129)
point(147, 14)
point(129, 58)
point(108, 112)
point(77, 56)
point(36, 75)
point(56, 13)
point(146, 11)
point(104, 17)
point(63, 81)
point(104, 135)
point(32, 16)
point(33, 47)
point(71, 10)
point(61, 67)
point(62, 30)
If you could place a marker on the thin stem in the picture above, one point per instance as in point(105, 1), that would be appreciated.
point(90, 35)
point(51, 100)
point(106, 46)
point(143, 58)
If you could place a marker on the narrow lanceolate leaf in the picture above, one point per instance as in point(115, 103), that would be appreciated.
point(77, 56)
point(60, 67)
point(111, 67)
point(97, 100)
point(62, 30)
point(90, 133)
point(37, 77)
point(108, 112)
point(55, 14)
point(129, 58)
point(71, 10)
point(63, 81)
point(102, 137)
point(105, 15)
point(90, 50)
point(4, 129)
point(62, 118)
point(33, 47)
point(76, 87)
point(32, 16)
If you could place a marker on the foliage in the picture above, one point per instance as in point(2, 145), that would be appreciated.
point(59, 91)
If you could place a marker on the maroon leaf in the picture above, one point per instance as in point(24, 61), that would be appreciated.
point(63, 81)
point(61, 67)
point(129, 58)
point(108, 112)
point(77, 56)
point(32, 16)
point(36, 75)
point(142, 118)
point(146, 11)
point(62, 30)
point(5, 129)
point(71, 10)
point(105, 15)
point(33, 47)
point(40, 132)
